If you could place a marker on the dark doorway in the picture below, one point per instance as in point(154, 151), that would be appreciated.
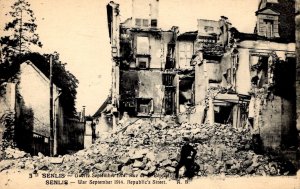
point(169, 100)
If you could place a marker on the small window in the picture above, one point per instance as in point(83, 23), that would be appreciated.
point(269, 25)
point(145, 22)
point(144, 109)
point(138, 22)
point(208, 29)
point(259, 70)
point(144, 106)
point(142, 62)
point(154, 23)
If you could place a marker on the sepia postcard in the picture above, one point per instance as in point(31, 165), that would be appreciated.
point(150, 94)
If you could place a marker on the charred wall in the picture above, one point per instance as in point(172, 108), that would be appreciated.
point(141, 85)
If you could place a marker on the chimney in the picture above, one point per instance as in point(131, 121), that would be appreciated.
point(145, 13)
point(83, 114)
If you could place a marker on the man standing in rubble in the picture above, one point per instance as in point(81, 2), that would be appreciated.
point(187, 159)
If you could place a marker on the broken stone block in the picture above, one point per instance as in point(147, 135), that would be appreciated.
point(161, 156)
point(151, 170)
point(209, 169)
point(87, 162)
point(101, 166)
point(114, 167)
point(56, 160)
point(124, 160)
point(166, 163)
point(137, 173)
point(160, 172)
point(161, 125)
point(40, 155)
point(137, 156)
point(150, 156)
point(170, 169)
point(247, 163)
point(250, 170)
point(126, 170)
point(144, 173)
point(43, 167)
point(145, 160)
point(138, 164)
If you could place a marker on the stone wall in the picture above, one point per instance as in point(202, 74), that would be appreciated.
point(274, 120)
point(34, 89)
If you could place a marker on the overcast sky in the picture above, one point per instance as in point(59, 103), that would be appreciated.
point(77, 30)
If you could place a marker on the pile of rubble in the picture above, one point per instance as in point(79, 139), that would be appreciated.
point(152, 148)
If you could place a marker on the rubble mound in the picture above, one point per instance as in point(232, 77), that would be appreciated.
point(152, 148)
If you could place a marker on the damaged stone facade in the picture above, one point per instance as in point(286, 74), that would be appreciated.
point(213, 75)
point(144, 80)
point(249, 79)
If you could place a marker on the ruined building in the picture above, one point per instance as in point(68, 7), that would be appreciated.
point(213, 75)
point(249, 78)
point(144, 80)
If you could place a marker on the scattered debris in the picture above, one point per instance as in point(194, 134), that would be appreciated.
point(14, 153)
point(221, 149)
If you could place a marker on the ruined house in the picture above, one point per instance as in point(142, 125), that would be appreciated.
point(249, 78)
point(144, 81)
point(214, 75)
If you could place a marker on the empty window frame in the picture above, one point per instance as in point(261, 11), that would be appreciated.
point(142, 62)
point(138, 22)
point(143, 46)
point(169, 100)
point(208, 28)
point(168, 79)
point(259, 69)
point(144, 106)
point(153, 22)
point(145, 22)
point(185, 53)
